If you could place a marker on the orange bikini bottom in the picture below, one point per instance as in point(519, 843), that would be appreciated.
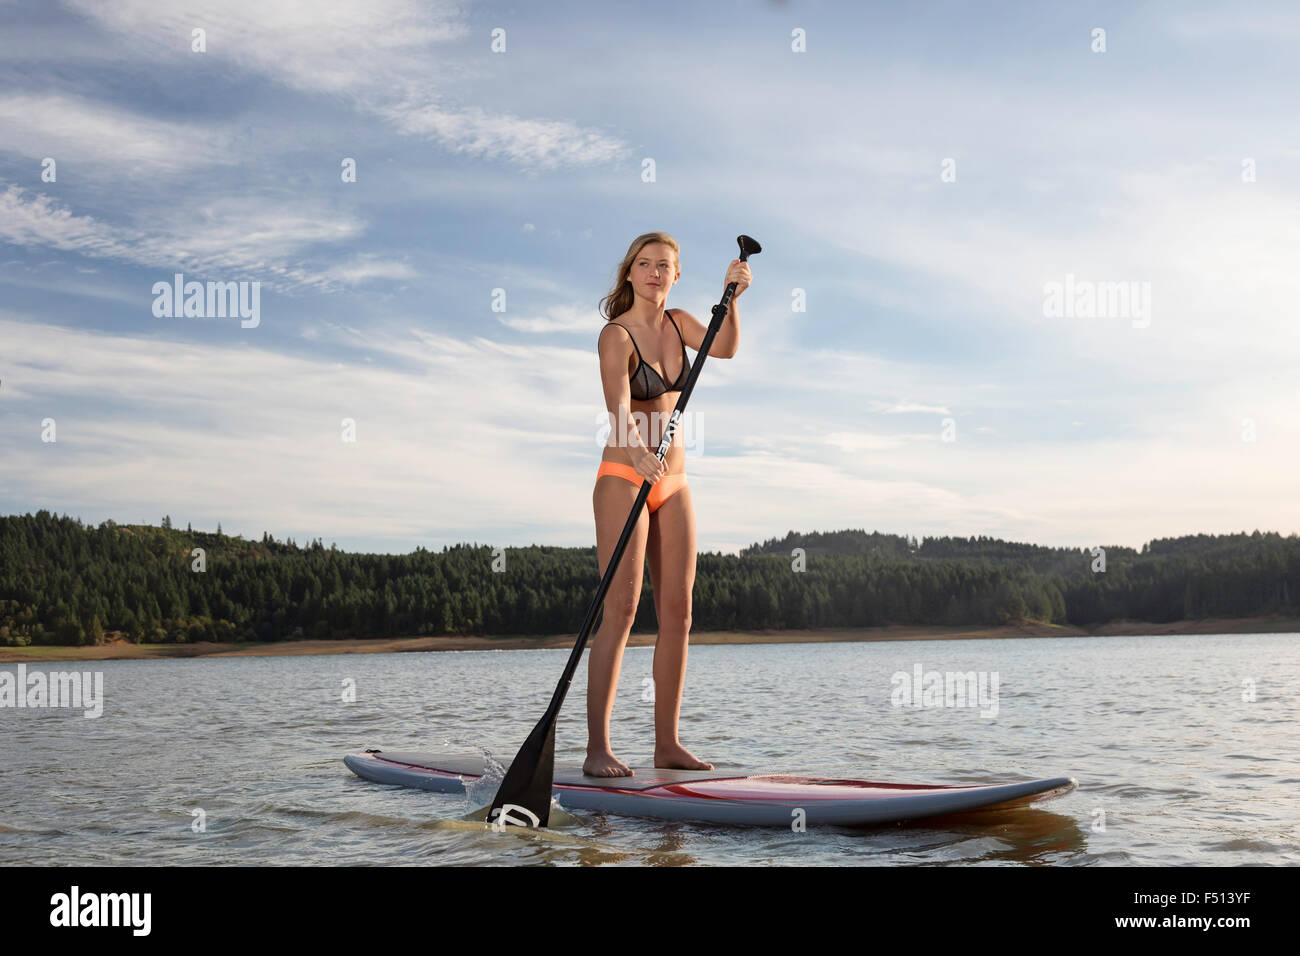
point(660, 491)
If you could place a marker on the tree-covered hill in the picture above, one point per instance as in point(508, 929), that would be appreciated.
point(64, 582)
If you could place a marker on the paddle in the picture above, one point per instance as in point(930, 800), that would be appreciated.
point(526, 787)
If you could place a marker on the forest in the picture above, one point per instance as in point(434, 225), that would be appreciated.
point(65, 582)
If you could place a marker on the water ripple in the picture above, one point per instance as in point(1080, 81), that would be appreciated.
point(1174, 767)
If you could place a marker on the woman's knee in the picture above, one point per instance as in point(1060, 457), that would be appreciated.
point(675, 613)
point(619, 615)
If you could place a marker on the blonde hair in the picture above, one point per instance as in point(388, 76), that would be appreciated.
point(621, 297)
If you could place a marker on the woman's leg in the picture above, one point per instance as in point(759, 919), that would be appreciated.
point(612, 500)
point(671, 549)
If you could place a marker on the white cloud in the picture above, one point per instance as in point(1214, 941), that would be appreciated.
point(366, 267)
point(253, 436)
point(534, 144)
point(236, 237)
point(1269, 26)
point(72, 129)
point(904, 408)
point(333, 46)
point(856, 442)
point(241, 431)
point(39, 221)
point(386, 57)
point(558, 318)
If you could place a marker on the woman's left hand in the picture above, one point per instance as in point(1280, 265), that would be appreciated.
point(737, 272)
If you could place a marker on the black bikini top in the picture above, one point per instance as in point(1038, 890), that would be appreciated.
point(645, 387)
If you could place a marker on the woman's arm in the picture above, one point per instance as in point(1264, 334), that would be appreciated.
point(615, 355)
point(727, 341)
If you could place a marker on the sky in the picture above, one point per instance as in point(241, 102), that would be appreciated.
point(949, 196)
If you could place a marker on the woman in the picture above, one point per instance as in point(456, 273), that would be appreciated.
point(643, 367)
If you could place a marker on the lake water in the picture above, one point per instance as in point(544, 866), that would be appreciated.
point(1175, 764)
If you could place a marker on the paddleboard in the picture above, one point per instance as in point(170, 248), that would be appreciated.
point(718, 796)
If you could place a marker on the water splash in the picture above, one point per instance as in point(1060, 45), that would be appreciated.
point(480, 792)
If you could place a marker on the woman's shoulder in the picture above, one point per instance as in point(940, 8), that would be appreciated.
point(616, 343)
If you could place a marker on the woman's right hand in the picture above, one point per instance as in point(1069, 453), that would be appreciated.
point(648, 465)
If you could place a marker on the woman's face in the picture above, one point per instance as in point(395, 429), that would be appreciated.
point(654, 270)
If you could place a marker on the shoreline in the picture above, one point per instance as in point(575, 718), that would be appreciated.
point(893, 632)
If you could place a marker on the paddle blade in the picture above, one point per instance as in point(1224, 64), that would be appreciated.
point(524, 797)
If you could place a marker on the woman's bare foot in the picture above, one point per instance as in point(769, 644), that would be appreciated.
point(605, 764)
point(678, 757)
